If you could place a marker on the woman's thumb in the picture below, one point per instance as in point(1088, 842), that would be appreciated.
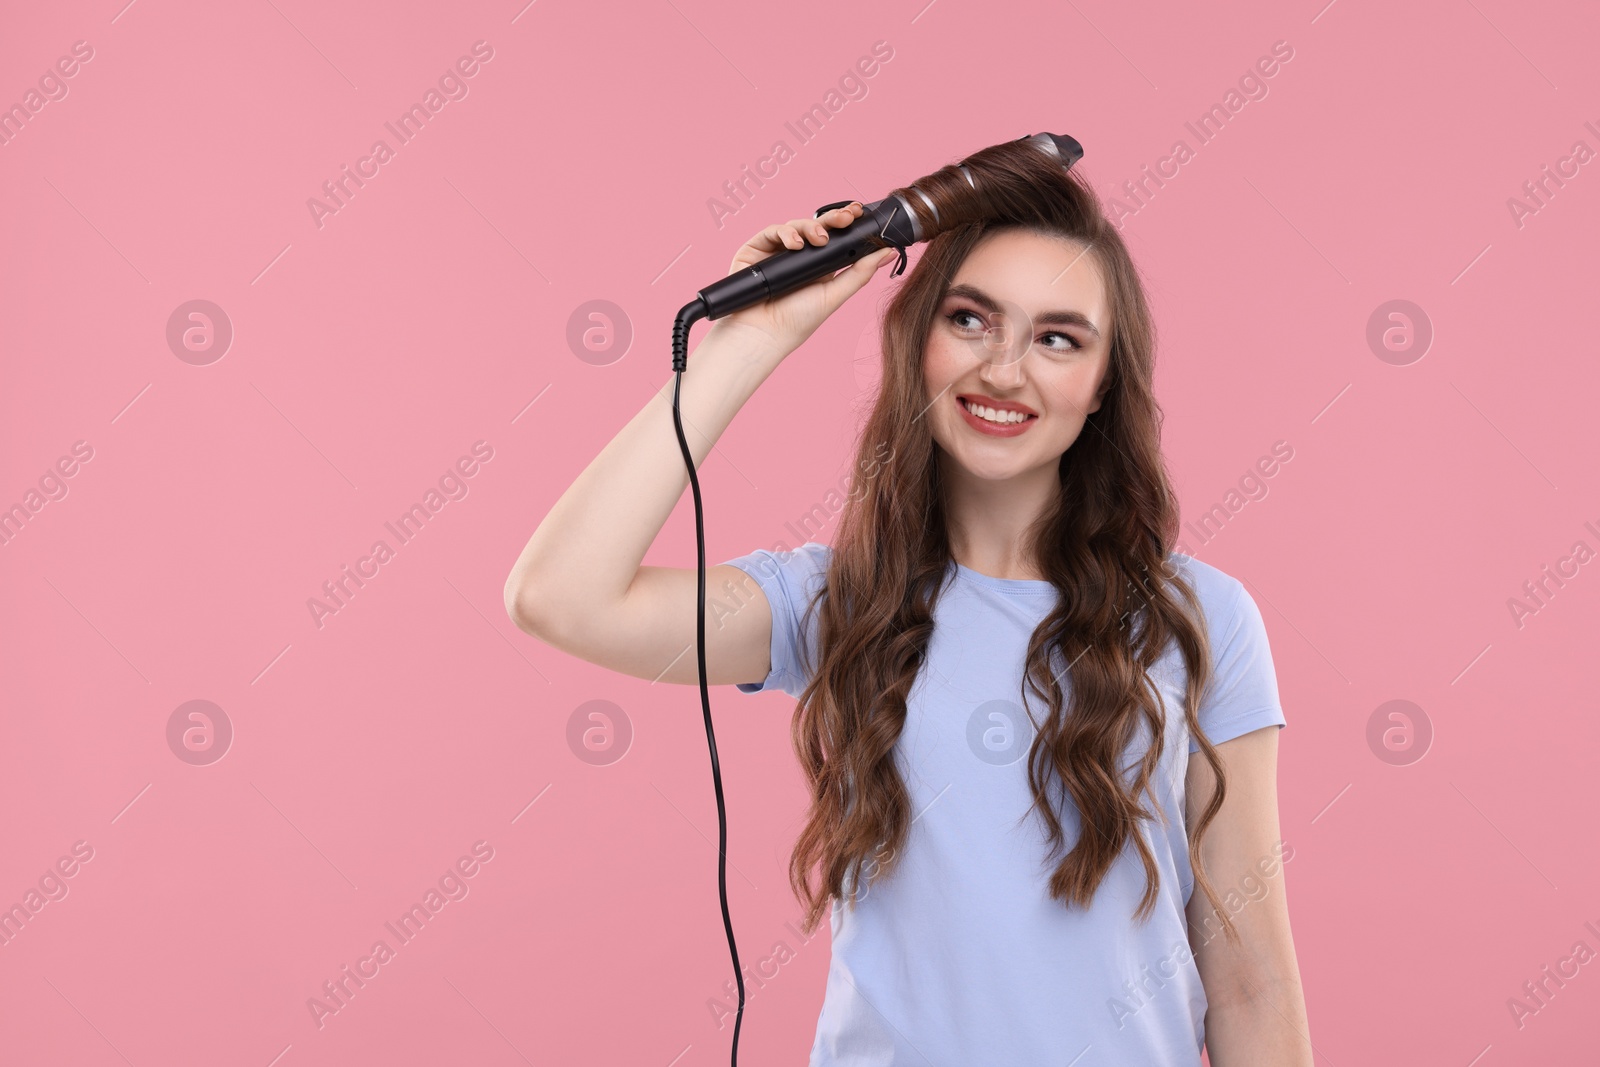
point(850, 280)
point(879, 258)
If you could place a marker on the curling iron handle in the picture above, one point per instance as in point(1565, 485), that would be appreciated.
point(882, 224)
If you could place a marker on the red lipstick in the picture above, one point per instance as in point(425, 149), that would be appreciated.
point(995, 429)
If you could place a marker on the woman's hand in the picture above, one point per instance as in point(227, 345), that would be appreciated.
point(778, 327)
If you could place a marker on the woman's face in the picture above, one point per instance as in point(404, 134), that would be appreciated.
point(1022, 328)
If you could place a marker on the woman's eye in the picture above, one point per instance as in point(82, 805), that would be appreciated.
point(977, 324)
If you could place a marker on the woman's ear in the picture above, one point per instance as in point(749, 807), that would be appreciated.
point(1101, 390)
point(1099, 395)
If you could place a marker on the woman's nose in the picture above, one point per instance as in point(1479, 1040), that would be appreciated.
point(1002, 365)
point(1005, 341)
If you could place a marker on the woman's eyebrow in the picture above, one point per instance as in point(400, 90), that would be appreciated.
point(1045, 318)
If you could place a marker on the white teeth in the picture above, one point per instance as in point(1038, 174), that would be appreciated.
point(991, 415)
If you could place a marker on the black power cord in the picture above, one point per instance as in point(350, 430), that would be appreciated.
point(690, 313)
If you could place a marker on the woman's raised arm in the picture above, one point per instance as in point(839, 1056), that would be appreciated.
point(578, 584)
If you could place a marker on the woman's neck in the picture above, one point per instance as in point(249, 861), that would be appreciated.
point(989, 522)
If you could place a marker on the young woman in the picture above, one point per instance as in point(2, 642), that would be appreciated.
point(1030, 728)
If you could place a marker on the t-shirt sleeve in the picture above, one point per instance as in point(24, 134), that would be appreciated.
point(1243, 692)
point(789, 580)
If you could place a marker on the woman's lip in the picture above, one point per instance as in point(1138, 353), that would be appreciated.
point(994, 429)
point(998, 405)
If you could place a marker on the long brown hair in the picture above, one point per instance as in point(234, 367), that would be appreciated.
point(1103, 544)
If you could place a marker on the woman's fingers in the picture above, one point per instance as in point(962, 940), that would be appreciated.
point(813, 231)
point(839, 217)
point(796, 232)
point(778, 235)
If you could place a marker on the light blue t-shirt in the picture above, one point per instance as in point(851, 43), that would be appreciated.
point(961, 957)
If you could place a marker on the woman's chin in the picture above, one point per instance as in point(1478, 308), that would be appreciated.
point(991, 469)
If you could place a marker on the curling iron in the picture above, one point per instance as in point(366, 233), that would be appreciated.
point(888, 223)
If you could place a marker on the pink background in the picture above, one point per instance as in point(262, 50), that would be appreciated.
point(372, 351)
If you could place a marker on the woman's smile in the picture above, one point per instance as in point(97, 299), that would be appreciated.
point(995, 418)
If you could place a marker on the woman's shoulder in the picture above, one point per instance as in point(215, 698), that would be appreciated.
point(1217, 590)
point(809, 557)
point(796, 565)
